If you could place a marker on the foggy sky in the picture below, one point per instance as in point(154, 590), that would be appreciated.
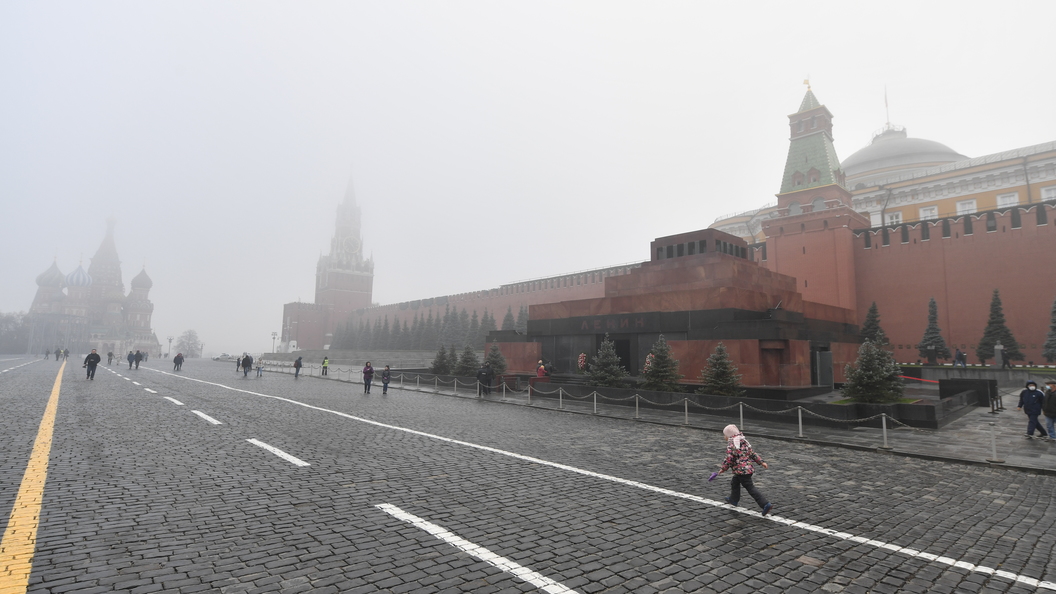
point(489, 142)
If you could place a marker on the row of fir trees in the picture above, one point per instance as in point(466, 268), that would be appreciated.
point(426, 333)
point(449, 362)
point(996, 331)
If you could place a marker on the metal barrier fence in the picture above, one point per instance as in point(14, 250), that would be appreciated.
point(434, 384)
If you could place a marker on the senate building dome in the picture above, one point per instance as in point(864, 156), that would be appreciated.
point(894, 155)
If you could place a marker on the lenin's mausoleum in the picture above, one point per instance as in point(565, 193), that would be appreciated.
point(784, 286)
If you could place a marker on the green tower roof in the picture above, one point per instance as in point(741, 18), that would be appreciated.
point(811, 151)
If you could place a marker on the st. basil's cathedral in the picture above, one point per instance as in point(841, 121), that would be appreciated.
point(86, 310)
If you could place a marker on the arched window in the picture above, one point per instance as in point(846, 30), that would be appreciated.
point(817, 204)
point(794, 208)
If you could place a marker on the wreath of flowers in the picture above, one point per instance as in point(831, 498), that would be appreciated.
point(581, 363)
point(648, 362)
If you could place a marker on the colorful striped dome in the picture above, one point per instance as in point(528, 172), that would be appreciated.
point(78, 278)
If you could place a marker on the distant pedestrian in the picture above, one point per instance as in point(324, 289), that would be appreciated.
point(386, 376)
point(368, 376)
point(47, 354)
point(65, 354)
point(238, 364)
point(1030, 401)
point(540, 371)
point(109, 357)
point(131, 358)
point(247, 364)
point(138, 357)
point(1049, 409)
point(326, 363)
point(739, 458)
point(297, 368)
point(177, 362)
point(260, 366)
point(959, 359)
point(58, 354)
point(90, 362)
point(484, 379)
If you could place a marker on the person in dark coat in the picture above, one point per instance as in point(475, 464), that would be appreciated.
point(90, 363)
point(1030, 401)
point(65, 354)
point(47, 354)
point(386, 377)
point(109, 357)
point(297, 368)
point(247, 364)
point(484, 377)
point(131, 358)
point(1049, 408)
point(177, 362)
point(138, 357)
point(368, 376)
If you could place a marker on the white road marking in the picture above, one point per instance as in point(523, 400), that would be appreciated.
point(17, 366)
point(519, 571)
point(174, 401)
point(128, 379)
point(149, 390)
point(1033, 582)
point(137, 383)
point(206, 417)
point(274, 450)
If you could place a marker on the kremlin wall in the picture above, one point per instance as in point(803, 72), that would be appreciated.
point(785, 286)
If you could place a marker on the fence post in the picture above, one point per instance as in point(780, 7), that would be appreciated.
point(685, 403)
point(455, 384)
point(401, 380)
point(595, 402)
point(883, 422)
point(993, 447)
point(560, 401)
point(504, 389)
point(636, 406)
point(740, 405)
point(417, 382)
point(529, 393)
point(800, 411)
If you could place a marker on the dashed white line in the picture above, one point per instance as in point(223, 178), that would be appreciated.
point(137, 383)
point(149, 390)
point(274, 450)
point(174, 401)
point(1033, 582)
point(128, 379)
point(519, 571)
point(206, 417)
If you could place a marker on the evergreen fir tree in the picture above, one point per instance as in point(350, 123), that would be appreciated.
point(662, 372)
point(368, 340)
point(384, 340)
point(933, 335)
point(375, 335)
point(487, 325)
point(605, 369)
point(871, 327)
point(406, 337)
point(1049, 348)
point(874, 377)
point(521, 325)
point(507, 321)
point(498, 362)
point(440, 363)
point(429, 337)
point(463, 328)
point(468, 363)
point(473, 336)
point(357, 339)
point(452, 358)
point(396, 338)
point(996, 331)
point(415, 341)
point(720, 377)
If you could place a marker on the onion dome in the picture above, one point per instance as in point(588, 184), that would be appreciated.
point(141, 280)
point(51, 277)
point(78, 278)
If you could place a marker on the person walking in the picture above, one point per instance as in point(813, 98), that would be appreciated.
point(131, 358)
point(238, 364)
point(90, 362)
point(47, 354)
point(177, 362)
point(138, 357)
point(739, 458)
point(1048, 408)
point(109, 358)
point(260, 366)
point(297, 368)
point(386, 376)
point(247, 364)
point(65, 354)
point(368, 376)
point(326, 363)
point(484, 377)
point(1030, 401)
point(58, 354)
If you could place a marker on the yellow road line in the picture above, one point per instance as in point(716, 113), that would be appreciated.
point(20, 538)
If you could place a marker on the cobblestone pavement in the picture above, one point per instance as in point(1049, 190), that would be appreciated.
point(145, 495)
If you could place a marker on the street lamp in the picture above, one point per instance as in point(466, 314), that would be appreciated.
point(274, 335)
point(170, 347)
